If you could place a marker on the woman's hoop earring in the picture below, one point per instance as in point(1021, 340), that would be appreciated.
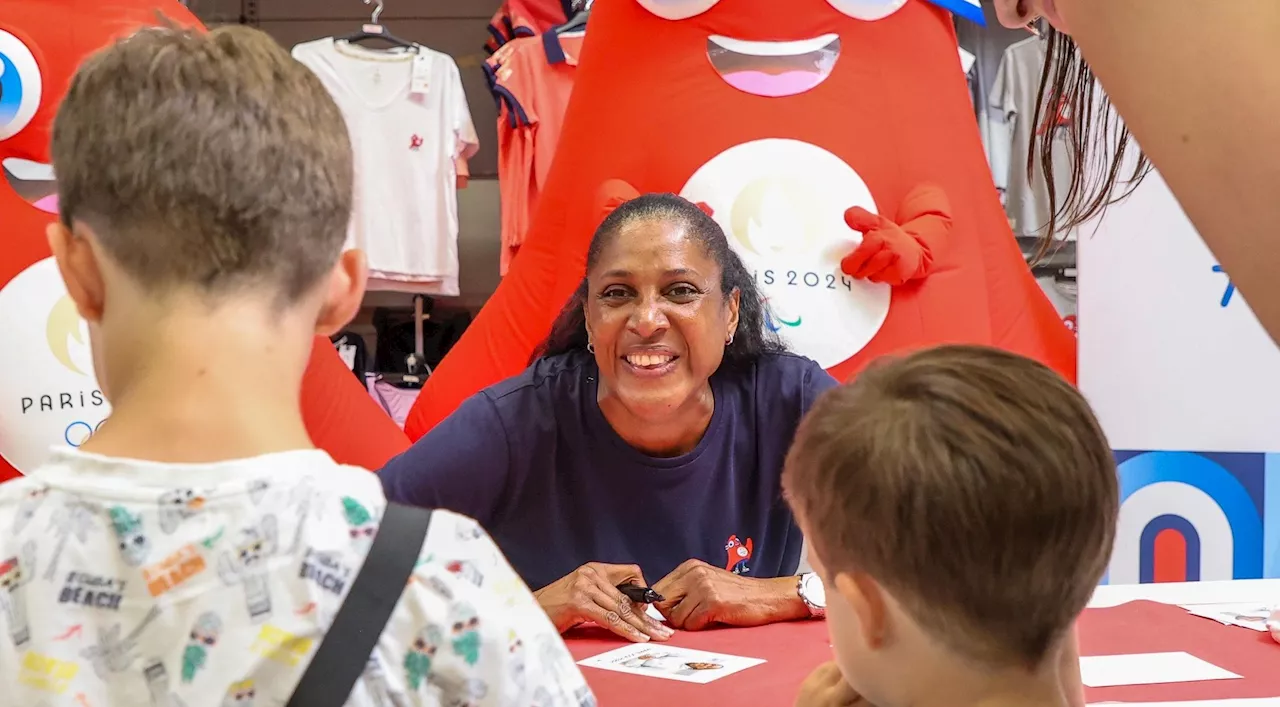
point(591, 348)
point(730, 341)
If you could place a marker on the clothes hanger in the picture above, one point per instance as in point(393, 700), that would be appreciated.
point(418, 370)
point(373, 30)
point(578, 22)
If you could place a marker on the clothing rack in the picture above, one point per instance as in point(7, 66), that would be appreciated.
point(419, 318)
point(416, 366)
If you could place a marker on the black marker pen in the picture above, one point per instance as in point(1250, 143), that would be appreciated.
point(639, 594)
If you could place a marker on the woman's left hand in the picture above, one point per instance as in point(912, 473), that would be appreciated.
point(697, 595)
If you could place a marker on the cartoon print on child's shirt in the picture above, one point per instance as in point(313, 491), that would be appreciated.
point(258, 490)
point(362, 524)
point(308, 502)
point(92, 590)
point(511, 590)
point(462, 693)
point(375, 683)
point(466, 532)
point(15, 574)
point(516, 671)
point(178, 505)
point(157, 678)
point(438, 586)
point(204, 636)
point(112, 654)
point(325, 569)
point(445, 661)
point(585, 697)
point(466, 570)
point(739, 555)
point(212, 540)
point(307, 499)
point(552, 651)
point(247, 566)
point(239, 694)
point(466, 639)
point(75, 519)
point(134, 544)
point(417, 661)
point(27, 508)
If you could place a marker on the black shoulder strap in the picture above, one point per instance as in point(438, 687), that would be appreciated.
point(344, 652)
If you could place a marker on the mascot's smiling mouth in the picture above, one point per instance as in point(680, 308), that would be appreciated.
point(34, 183)
point(774, 69)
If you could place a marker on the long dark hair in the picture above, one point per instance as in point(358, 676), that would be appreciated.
point(1099, 142)
point(752, 338)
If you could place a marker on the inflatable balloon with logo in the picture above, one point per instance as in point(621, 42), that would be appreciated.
point(796, 123)
point(48, 393)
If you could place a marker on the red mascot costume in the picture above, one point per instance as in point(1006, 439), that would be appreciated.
point(48, 394)
point(834, 140)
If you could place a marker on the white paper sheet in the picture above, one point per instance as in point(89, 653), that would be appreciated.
point(1148, 669)
point(1250, 616)
point(670, 663)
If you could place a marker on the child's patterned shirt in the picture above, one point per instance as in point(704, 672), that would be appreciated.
point(136, 583)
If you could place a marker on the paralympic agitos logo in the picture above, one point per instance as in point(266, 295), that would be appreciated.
point(774, 323)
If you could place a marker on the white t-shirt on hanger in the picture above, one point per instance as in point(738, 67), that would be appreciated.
point(1012, 110)
point(406, 146)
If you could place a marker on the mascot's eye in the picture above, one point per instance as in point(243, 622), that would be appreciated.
point(677, 9)
point(20, 85)
point(868, 9)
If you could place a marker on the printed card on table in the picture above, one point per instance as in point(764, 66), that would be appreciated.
point(1250, 616)
point(671, 663)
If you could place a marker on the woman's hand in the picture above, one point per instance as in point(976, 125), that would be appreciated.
point(698, 595)
point(825, 687)
point(591, 593)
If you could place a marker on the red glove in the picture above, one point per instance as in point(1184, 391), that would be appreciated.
point(612, 194)
point(895, 254)
point(615, 192)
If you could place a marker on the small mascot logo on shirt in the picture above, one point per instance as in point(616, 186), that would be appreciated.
point(739, 555)
point(1060, 118)
point(415, 143)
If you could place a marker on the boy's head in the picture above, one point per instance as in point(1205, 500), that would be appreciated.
point(203, 169)
point(960, 501)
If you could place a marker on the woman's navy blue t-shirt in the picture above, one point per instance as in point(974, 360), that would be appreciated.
point(535, 462)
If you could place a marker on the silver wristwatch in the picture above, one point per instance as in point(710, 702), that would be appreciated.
point(813, 594)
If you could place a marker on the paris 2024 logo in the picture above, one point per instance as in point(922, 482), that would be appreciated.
point(53, 398)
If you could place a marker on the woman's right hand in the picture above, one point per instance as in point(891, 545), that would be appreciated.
point(590, 594)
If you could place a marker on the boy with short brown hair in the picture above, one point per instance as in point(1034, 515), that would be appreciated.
point(205, 185)
point(960, 504)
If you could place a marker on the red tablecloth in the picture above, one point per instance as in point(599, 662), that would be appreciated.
point(793, 650)
point(1147, 627)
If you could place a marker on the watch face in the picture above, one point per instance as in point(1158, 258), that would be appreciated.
point(814, 591)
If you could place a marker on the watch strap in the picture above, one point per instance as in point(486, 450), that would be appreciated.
point(815, 611)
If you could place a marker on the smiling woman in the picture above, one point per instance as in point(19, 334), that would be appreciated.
point(644, 442)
